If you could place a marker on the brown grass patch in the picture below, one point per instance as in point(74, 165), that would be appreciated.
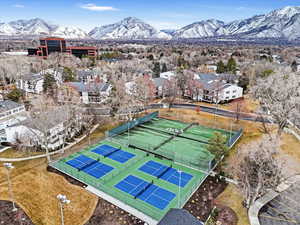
point(35, 190)
point(232, 198)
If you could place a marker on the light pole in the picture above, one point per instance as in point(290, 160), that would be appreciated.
point(62, 199)
point(179, 189)
point(9, 167)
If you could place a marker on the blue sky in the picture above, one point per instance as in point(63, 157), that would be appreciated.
point(159, 13)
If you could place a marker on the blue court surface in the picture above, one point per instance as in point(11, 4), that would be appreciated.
point(90, 166)
point(113, 153)
point(148, 192)
point(166, 173)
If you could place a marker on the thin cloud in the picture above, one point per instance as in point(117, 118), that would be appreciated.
point(94, 7)
point(19, 6)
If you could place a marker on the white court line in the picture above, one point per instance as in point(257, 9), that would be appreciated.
point(151, 193)
point(163, 198)
point(136, 186)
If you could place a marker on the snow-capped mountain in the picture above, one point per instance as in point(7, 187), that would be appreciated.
point(206, 28)
point(169, 31)
point(128, 28)
point(38, 27)
point(281, 23)
point(70, 32)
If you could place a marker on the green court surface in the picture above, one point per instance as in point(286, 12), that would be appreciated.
point(188, 147)
point(140, 162)
point(108, 182)
point(197, 132)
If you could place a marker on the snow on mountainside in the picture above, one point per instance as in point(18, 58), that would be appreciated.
point(128, 28)
point(70, 33)
point(205, 28)
point(281, 23)
point(38, 27)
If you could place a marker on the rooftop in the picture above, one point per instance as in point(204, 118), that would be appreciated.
point(179, 217)
point(90, 87)
point(7, 105)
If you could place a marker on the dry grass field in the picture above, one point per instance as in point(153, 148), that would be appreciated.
point(35, 190)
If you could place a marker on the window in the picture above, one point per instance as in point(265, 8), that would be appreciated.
point(234, 91)
point(227, 92)
point(233, 96)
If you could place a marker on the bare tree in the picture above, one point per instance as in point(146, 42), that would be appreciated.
point(238, 106)
point(279, 95)
point(143, 90)
point(171, 91)
point(257, 169)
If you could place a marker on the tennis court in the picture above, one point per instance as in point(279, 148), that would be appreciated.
point(90, 166)
point(149, 164)
point(113, 153)
point(148, 192)
point(166, 173)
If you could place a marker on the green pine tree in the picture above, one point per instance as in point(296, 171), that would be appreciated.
point(15, 95)
point(231, 65)
point(164, 68)
point(221, 68)
point(49, 84)
point(218, 146)
point(294, 66)
point(156, 69)
point(68, 75)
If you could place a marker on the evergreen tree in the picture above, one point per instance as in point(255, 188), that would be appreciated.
point(231, 65)
point(15, 95)
point(218, 146)
point(156, 69)
point(49, 84)
point(221, 67)
point(150, 57)
point(68, 75)
point(244, 82)
point(164, 68)
point(294, 66)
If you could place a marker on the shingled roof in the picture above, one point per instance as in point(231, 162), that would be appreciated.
point(179, 217)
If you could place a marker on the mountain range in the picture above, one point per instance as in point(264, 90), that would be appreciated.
point(281, 23)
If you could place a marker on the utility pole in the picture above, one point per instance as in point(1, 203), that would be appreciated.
point(62, 199)
point(9, 167)
point(179, 188)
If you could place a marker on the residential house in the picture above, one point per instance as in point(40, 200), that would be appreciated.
point(168, 75)
point(179, 217)
point(48, 129)
point(217, 88)
point(91, 93)
point(11, 113)
point(33, 83)
point(160, 85)
point(91, 75)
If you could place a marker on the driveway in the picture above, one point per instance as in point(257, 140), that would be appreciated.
point(284, 209)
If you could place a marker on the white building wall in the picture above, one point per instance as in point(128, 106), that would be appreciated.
point(167, 75)
point(35, 87)
point(12, 112)
point(230, 93)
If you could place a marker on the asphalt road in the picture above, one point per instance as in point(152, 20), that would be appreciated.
point(212, 110)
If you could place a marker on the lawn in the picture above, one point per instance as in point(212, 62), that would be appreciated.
point(35, 190)
point(232, 198)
